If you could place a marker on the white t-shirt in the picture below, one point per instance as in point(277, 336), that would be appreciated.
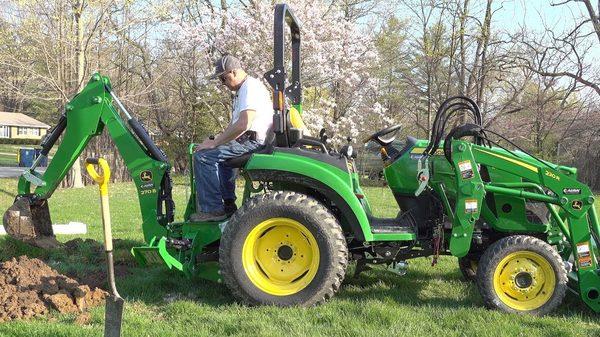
point(253, 95)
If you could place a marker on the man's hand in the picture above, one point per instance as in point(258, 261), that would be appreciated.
point(206, 144)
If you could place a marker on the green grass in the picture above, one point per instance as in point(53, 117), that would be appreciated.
point(428, 301)
point(8, 154)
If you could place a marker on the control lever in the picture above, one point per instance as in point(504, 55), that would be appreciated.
point(422, 174)
point(347, 149)
point(323, 136)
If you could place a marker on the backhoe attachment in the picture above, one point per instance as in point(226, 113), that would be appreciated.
point(88, 114)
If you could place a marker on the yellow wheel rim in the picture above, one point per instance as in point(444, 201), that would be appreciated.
point(524, 280)
point(280, 256)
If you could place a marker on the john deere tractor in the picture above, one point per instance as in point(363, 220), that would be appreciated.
point(524, 229)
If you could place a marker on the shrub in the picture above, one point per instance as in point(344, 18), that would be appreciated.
point(19, 141)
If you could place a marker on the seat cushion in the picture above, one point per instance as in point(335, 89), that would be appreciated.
point(239, 162)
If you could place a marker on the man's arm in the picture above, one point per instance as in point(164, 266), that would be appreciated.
point(231, 132)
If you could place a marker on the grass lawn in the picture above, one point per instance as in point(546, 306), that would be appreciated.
point(428, 301)
point(8, 154)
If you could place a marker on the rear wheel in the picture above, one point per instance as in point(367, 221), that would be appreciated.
point(283, 248)
point(522, 274)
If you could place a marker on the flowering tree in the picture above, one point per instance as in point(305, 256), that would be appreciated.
point(337, 57)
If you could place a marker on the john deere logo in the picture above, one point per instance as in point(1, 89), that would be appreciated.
point(577, 204)
point(146, 175)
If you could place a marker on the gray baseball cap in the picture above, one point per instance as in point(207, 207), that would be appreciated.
point(225, 64)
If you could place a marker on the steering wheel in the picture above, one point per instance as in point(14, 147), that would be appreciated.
point(380, 136)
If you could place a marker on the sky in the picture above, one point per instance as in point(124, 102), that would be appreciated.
point(510, 16)
point(538, 14)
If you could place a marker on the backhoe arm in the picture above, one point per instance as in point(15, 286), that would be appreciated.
point(86, 116)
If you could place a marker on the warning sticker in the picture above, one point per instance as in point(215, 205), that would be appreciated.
point(583, 249)
point(585, 262)
point(471, 206)
point(466, 169)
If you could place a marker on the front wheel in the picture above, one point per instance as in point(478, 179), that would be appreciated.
point(283, 248)
point(522, 274)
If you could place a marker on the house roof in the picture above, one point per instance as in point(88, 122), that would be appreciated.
point(19, 119)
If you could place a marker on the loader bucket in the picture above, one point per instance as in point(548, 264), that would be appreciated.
point(29, 221)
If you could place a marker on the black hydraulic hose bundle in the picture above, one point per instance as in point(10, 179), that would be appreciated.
point(448, 108)
point(144, 137)
point(479, 132)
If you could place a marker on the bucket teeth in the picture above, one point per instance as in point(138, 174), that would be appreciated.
point(30, 222)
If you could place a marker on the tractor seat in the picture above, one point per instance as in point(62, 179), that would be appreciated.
point(240, 162)
point(294, 122)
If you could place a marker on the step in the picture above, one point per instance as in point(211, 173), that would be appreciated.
point(391, 225)
point(390, 229)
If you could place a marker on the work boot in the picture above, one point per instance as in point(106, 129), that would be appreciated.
point(230, 206)
point(208, 216)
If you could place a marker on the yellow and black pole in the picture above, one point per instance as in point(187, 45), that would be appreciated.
point(114, 305)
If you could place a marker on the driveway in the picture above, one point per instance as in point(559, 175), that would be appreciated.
point(13, 172)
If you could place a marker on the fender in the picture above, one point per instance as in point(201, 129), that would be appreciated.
point(329, 180)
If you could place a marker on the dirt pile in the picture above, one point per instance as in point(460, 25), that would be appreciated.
point(29, 288)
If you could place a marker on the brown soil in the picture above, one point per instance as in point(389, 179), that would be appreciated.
point(29, 288)
point(99, 279)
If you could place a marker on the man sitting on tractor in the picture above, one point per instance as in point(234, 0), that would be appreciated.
point(251, 121)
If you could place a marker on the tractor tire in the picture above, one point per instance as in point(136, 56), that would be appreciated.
point(468, 267)
point(283, 249)
point(522, 274)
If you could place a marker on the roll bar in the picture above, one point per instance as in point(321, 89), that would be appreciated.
point(277, 76)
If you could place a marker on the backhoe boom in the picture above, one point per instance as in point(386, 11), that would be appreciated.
point(86, 116)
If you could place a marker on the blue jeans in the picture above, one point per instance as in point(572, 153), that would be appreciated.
point(214, 180)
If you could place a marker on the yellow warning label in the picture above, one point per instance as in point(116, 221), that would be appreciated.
point(471, 206)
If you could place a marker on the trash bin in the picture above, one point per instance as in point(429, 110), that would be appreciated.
point(27, 156)
point(44, 161)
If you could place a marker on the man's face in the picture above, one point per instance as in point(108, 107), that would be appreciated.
point(229, 79)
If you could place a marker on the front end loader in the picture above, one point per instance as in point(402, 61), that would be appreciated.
point(525, 230)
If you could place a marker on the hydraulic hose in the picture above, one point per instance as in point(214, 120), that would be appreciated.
point(52, 137)
point(144, 137)
point(139, 130)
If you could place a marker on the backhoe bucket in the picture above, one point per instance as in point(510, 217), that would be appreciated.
point(29, 221)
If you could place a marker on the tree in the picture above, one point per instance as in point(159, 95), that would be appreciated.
point(337, 57)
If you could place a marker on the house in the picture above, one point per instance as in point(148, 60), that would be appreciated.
point(14, 125)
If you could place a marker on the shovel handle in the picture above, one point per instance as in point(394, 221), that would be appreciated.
point(102, 180)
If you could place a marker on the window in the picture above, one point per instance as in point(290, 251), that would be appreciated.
point(4, 131)
point(22, 131)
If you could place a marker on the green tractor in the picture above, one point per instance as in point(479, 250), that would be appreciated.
point(524, 229)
